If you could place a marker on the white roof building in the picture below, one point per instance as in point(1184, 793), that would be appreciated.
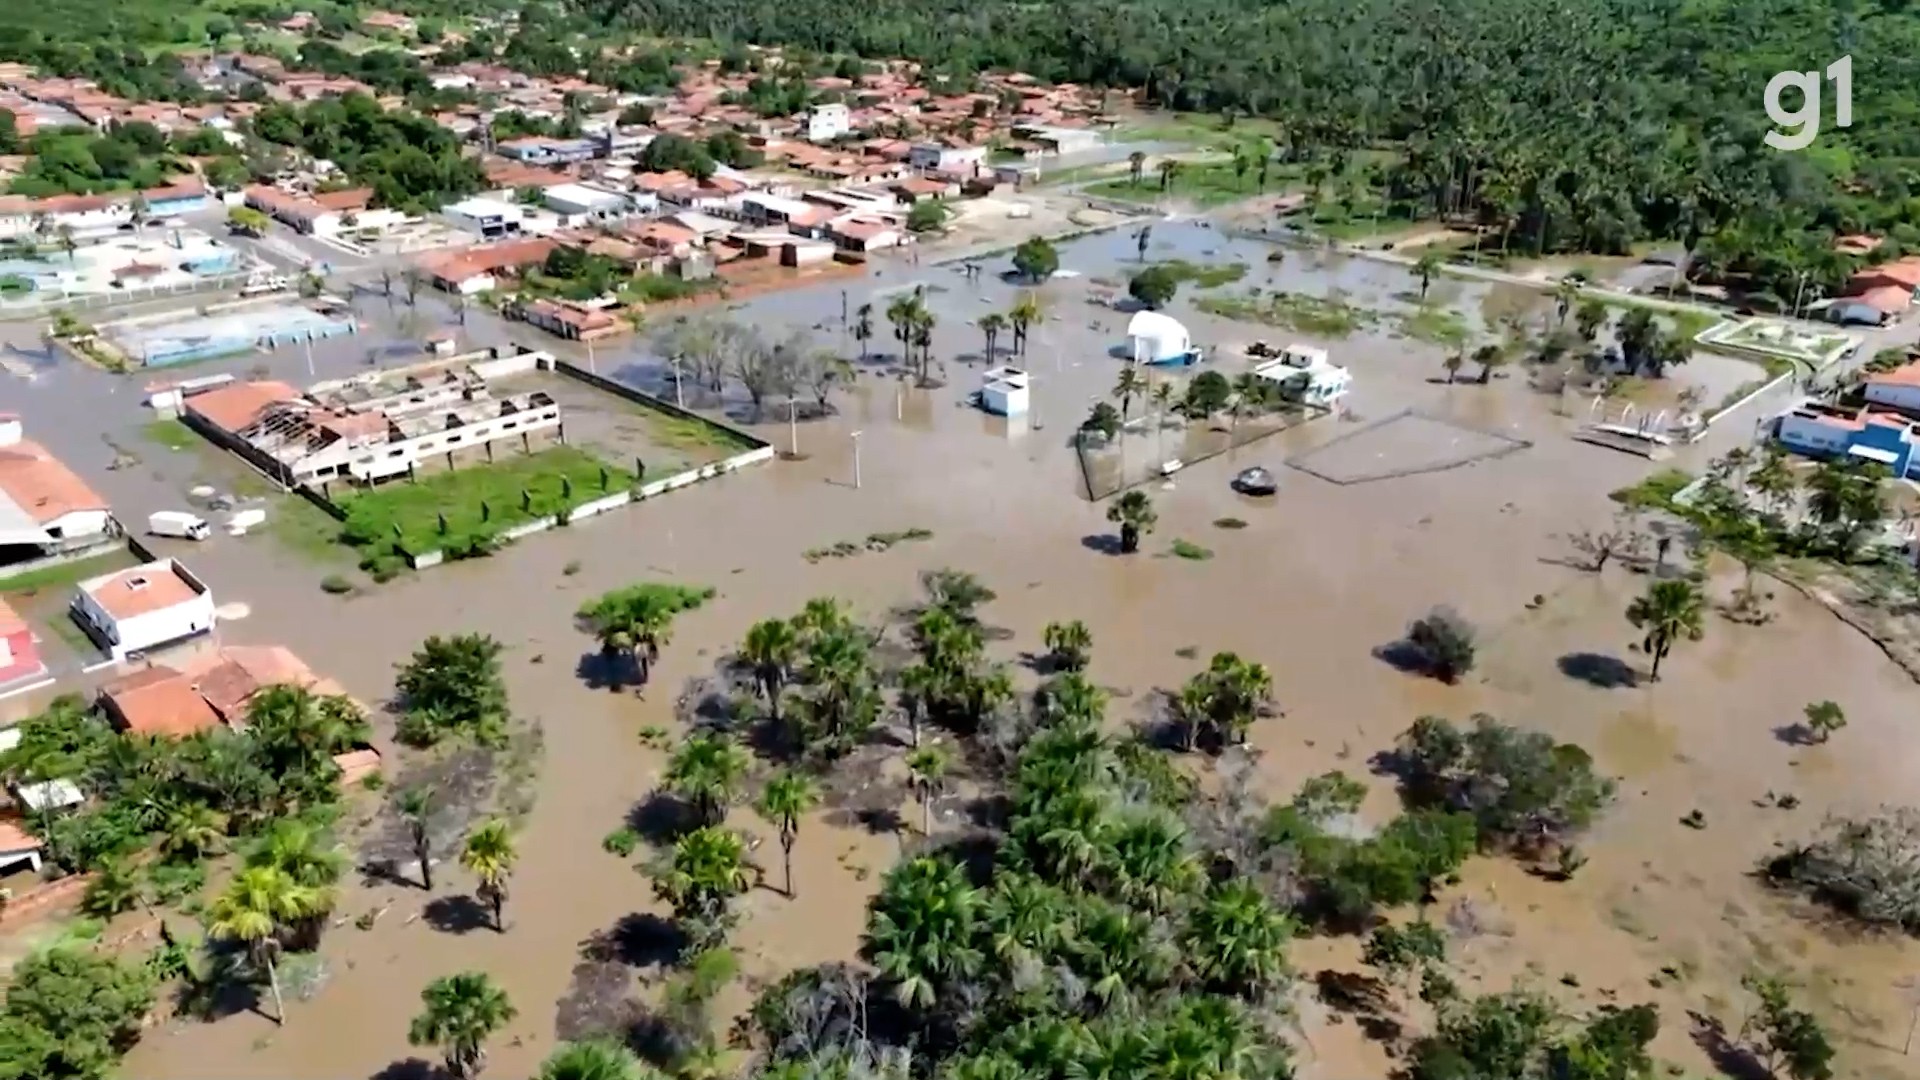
point(1154, 338)
point(585, 200)
point(1306, 375)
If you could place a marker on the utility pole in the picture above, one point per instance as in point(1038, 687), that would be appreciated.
point(856, 461)
point(793, 431)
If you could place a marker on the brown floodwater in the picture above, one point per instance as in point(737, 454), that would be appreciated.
point(1322, 576)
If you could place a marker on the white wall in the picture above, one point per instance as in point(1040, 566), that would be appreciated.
point(1802, 432)
point(392, 459)
point(1897, 395)
point(80, 524)
point(144, 631)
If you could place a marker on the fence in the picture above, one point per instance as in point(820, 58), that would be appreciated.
point(1151, 447)
point(36, 305)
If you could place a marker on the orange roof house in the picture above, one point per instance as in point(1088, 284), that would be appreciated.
point(41, 500)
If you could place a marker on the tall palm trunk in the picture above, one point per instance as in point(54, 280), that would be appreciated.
point(273, 984)
point(786, 857)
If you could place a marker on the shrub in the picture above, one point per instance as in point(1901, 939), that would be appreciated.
point(621, 842)
point(1868, 868)
point(1186, 549)
point(1443, 643)
point(1523, 789)
point(335, 585)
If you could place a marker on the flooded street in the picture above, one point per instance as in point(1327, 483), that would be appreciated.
point(1322, 575)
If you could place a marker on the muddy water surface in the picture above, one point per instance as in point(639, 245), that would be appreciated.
point(1322, 577)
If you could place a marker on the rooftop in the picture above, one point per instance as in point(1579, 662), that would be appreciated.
point(136, 591)
point(37, 489)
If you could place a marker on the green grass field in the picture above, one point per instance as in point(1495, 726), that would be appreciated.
point(478, 502)
point(1203, 184)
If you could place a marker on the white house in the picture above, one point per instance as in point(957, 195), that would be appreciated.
point(1004, 391)
point(44, 504)
point(940, 157)
point(586, 201)
point(488, 219)
point(1896, 389)
point(1305, 375)
point(133, 610)
point(827, 122)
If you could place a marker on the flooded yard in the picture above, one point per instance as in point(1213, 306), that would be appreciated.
point(1319, 579)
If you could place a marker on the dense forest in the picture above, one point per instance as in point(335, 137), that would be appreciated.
point(1572, 127)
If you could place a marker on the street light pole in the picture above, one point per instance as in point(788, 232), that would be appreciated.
point(793, 431)
point(679, 399)
point(856, 461)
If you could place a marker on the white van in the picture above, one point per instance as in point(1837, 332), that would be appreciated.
point(178, 524)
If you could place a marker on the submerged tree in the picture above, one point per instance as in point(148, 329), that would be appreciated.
point(489, 855)
point(1133, 512)
point(1670, 611)
point(785, 800)
point(461, 1012)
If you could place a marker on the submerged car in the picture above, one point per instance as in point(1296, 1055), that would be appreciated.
point(1255, 481)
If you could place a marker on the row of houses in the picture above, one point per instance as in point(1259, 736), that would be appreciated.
point(1883, 426)
point(21, 216)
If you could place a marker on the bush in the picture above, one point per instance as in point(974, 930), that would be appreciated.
point(1524, 790)
point(1868, 868)
point(1186, 549)
point(71, 1013)
point(621, 842)
point(335, 585)
point(1443, 643)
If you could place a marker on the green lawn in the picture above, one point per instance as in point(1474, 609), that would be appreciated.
point(478, 502)
point(1204, 184)
point(694, 438)
point(68, 574)
point(171, 434)
point(1204, 275)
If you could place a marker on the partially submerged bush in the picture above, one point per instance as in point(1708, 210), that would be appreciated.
point(1524, 790)
point(1442, 641)
point(1868, 868)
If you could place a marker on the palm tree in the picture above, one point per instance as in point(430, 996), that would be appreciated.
point(1131, 382)
point(1668, 611)
point(489, 854)
point(1240, 691)
point(1133, 512)
point(1141, 239)
point(255, 910)
point(65, 232)
point(1023, 315)
point(1774, 479)
point(1428, 265)
point(991, 325)
point(904, 314)
point(192, 831)
point(1566, 293)
point(1488, 356)
point(461, 1012)
point(593, 1059)
point(1192, 709)
point(785, 799)
point(1169, 168)
point(1453, 363)
point(923, 931)
point(923, 325)
point(1072, 701)
point(1136, 166)
point(1068, 645)
point(115, 888)
point(1237, 940)
point(1824, 718)
point(416, 809)
point(922, 688)
point(926, 769)
point(863, 328)
point(705, 871)
point(771, 649)
point(312, 860)
point(706, 772)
